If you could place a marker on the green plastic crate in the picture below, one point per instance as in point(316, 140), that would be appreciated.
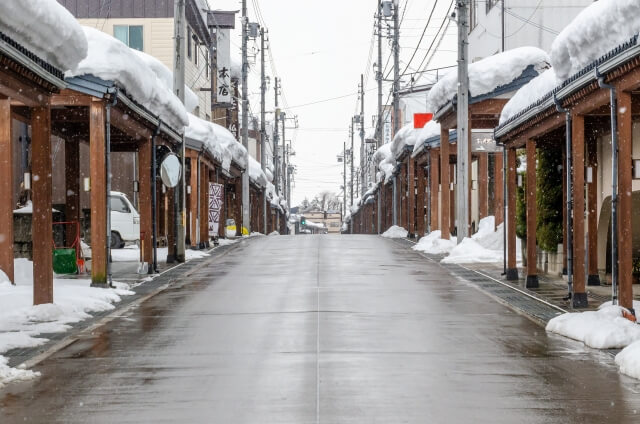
point(64, 261)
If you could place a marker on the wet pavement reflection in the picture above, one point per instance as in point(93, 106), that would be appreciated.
point(323, 329)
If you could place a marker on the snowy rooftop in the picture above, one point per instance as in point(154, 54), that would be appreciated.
point(488, 74)
point(535, 90)
point(406, 136)
point(256, 174)
point(385, 161)
point(47, 29)
point(110, 59)
point(431, 129)
point(599, 28)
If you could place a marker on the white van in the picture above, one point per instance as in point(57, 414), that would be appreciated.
point(125, 221)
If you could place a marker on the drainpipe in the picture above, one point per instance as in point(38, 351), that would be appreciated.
point(569, 205)
point(394, 200)
point(614, 185)
point(113, 102)
point(154, 199)
point(198, 188)
point(505, 202)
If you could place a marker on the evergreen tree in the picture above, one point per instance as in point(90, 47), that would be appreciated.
point(521, 205)
point(549, 198)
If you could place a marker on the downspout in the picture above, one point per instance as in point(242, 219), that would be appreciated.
point(114, 100)
point(614, 185)
point(198, 188)
point(154, 199)
point(428, 171)
point(569, 205)
point(504, 205)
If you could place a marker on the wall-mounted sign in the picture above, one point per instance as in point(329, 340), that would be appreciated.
point(483, 141)
point(223, 57)
point(215, 206)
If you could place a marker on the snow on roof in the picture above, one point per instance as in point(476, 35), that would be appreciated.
point(597, 29)
point(529, 94)
point(385, 161)
point(203, 131)
point(406, 136)
point(488, 74)
point(47, 29)
point(110, 59)
point(256, 174)
point(165, 76)
point(316, 225)
point(431, 129)
point(238, 152)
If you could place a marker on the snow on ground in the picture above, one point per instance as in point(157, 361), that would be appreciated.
point(22, 323)
point(274, 233)
point(226, 242)
point(47, 29)
point(132, 254)
point(602, 329)
point(597, 29)
point(529, 94)
point(433, 244)
point(486, 245)
point(629, 360)
point(488, 74)
point(395, 232)
point(110, 59)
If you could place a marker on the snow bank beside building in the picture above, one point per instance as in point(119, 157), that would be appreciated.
point(629, 360)
point(434, 244)
point(596, 30)
point(21, 323)
point(47, 29)
point(529, 94)
point(109, 59)
point(395, 232)
point(488, 74)
point(485, 246)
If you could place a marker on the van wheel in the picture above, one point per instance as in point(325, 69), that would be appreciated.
point(116, 241)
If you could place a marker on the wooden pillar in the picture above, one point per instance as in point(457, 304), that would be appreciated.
point(144, 207)
point(224, 208)
point(72, 185)
point(579, 280)
point(434, 191)
point(97, 165)
point(193, 202)
point(238, 207)
point(204, 206)
point(625, 235)
point(41, 221)
point(171, 221)
point(444, 183)
point(532, 251)
point(402, 192)
point(411, 196)
point(6, 190)
point(420, 200)
point(452, 202)
point(483, 185)
point(593, 279)
point(512, 270)
point(564, 212)
point(498, 187)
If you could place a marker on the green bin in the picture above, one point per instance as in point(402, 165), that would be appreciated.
point(64, 261)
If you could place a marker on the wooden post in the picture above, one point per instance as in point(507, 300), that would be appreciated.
point(532, 251)
point(72, 185)
point(144, 176)
point(434, 177)
point(171, 220)
point(483, 185)
point(402, 192)
point(411, 196)
point(579, 294)
point(204, 206)
point(97, 165)
point(420, 200)
point(498, 188)
point(593, 279)
point(6, 190)
point(41, 220)
point(444, 183)
point(512, 270)
point(238, 207)
point(564, 212)
point(625, 235)
point(193, 201)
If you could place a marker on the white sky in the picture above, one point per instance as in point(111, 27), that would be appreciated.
point(320, 49)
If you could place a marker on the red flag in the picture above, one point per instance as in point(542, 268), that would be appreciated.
point(421, 119)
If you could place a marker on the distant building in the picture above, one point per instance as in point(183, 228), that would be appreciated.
point(331, 219)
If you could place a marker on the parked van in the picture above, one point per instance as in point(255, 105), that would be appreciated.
point(125, 221)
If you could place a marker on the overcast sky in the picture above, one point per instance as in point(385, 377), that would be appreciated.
point(319, 50)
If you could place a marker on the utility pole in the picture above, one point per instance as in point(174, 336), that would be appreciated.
point(379, 76)
point(263, 153)
point(178, 88)
point(344, 178)
point(396, 68)
point(276, 136)
point(246, 217)
point(362, 152)
point(351, 157)
point(283, 118)
point(463, 130)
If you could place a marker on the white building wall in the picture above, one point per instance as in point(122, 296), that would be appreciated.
point(527, 23)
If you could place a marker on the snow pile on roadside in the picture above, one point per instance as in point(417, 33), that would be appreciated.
point(529, 94)
point(395, 232)
point(274, 233)
point(629, 360)
point(485, 246)
point(605, 328)
point(597, 29)
point(488, 74)
point(226, 242)
point(21, 322)
point(110, 59)
point(47, 29)
point(433, 244)
point(132, 254)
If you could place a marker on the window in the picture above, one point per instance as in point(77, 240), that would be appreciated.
point(131, 35)
point(490, 4)
point(206, 62)
point(196, 52)
point(118, 205)
point(189, 37)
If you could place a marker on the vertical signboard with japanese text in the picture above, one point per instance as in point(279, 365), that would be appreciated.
point(215, 206)
point(223, 94)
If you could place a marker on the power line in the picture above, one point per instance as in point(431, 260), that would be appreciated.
point(433, 9)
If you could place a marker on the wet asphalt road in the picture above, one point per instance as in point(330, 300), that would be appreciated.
point(323, 329)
